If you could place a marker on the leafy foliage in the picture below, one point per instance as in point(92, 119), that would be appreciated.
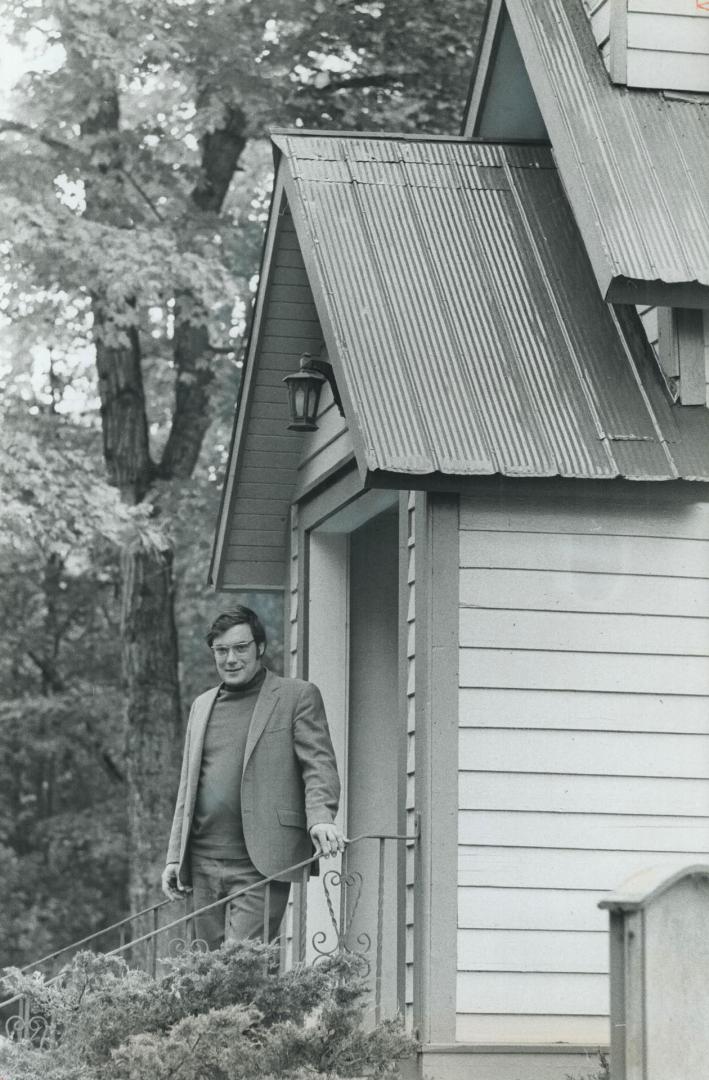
point(54, 493)
point(63, 863)
point(135, 185)
point(215, 1015)
point(603, 1072)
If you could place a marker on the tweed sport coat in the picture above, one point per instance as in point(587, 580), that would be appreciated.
point(289, 781)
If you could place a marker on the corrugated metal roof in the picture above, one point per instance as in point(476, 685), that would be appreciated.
point(634, 162)
point(464, 321)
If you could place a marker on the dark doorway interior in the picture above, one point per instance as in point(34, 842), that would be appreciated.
point(374, 735)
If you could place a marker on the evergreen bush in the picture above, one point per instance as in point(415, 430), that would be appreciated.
point(224, 1015)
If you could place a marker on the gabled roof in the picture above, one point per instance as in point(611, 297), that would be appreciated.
point(462, 318)
point(634, 162)
point(459, 310)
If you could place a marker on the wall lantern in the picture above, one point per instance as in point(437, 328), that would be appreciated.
point(304, 388)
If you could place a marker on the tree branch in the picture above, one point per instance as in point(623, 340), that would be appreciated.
point(48, 670)
point(26, 129)
point(221, 150)
point(111, 768)
point(77, 152)
point(359, 82)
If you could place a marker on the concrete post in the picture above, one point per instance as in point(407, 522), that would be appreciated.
point(659, 970)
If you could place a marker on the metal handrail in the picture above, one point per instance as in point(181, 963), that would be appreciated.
point(96, 934)
point(191, 915)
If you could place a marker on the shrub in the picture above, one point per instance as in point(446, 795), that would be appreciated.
point(603, 1073)
point(224, 1015)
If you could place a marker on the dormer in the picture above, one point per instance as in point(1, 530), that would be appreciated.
point(633, 156)
point(654, 44)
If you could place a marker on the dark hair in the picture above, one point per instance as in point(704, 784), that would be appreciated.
point(237, 616)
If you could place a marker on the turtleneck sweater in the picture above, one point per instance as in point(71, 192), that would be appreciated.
point(217, 830)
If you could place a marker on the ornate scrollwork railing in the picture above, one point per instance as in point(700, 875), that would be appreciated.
point(37, 1027)
point(342, 944)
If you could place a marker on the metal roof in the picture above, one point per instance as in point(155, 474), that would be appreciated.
point(634, 162)
point(463, 319)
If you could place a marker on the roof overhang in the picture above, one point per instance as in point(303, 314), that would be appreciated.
point(447, 282)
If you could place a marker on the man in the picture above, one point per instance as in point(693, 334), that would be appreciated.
point(259, 787)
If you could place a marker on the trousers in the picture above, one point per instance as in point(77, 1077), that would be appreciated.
point(213, 879)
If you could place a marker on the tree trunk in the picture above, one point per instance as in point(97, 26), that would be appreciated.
point(153, 715)
point(153, 731)
point(153, 721)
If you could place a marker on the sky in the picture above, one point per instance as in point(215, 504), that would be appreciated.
point(36, 56)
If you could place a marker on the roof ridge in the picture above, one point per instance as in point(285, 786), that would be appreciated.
point(399, 136)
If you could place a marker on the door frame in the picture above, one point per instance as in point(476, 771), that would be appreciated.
point(325, 523)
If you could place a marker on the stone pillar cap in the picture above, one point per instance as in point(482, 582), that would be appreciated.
point(642, 888)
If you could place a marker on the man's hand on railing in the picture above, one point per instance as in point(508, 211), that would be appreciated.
point(171, 884)
point(328, 839)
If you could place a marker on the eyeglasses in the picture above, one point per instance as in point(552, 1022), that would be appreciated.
point(222, 651)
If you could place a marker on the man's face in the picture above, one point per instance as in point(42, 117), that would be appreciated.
point(236, 655)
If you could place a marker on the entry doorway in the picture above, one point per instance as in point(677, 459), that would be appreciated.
point(353, 651)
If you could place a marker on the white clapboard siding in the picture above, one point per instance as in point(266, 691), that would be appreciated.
point(635, 555)
point(540, 669)
point(583, 831)
point(657, 44)
point(508, 1029)
point(548, 590)
point(410, 869)
point(533, 950)
point(668, 29)
point(654, 69)
point(573, 794)
point(538, 868)
point(584, 737)
point(534, 992)
point(569, 709)
point(611, 753)
point(531, 909)
point(581, 631)
point(627, 513)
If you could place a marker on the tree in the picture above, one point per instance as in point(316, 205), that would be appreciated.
point(144, 216)
point(62, 798)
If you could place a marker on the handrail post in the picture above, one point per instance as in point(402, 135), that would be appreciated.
point(266, 920)
point(154, 945)
point(25, 1016)
point(380, 935)
point(343, 896)
point(188, 905)
point(303, 917)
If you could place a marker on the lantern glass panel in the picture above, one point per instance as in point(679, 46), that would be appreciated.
point(312, 401)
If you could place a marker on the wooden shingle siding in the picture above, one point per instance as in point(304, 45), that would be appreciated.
point(584, 743)
point(326, 450)
point(255, 547)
